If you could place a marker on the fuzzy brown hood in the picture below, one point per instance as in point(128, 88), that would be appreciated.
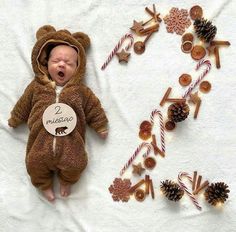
point(47, 38)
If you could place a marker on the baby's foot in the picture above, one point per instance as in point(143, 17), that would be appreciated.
point(49, 194)
point(65, 190)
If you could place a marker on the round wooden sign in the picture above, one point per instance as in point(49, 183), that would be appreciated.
point(59, 119)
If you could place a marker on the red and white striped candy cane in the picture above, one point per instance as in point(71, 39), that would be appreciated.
point(183, 186)
point(139, 148)
point(208, 68)
point(117, 47)
point(162, 131)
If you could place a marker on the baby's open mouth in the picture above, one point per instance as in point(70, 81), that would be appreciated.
point(61, 74)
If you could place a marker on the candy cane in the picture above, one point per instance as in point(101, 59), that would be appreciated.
point(183, 186)
point(202, 62)
point(140, 147)
point(117, 47)
point(162, 131)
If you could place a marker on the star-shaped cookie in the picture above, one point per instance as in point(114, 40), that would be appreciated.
point(137, 26)
point(194, 98)
point(138, 169)
point(123, 56)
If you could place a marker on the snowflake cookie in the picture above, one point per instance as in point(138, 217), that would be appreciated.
point(177, 21)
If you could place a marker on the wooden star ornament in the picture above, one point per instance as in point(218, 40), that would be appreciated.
point(138, 169)
point(123, 56)
point(137, 26)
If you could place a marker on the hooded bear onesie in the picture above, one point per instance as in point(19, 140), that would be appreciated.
point(67, 156)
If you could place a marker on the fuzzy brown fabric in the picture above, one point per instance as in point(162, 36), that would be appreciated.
point(69, 157)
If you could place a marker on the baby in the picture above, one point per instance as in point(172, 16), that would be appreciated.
point(58, 60)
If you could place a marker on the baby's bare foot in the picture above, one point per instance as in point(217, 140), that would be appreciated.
point(49, 194)
point(65, 190)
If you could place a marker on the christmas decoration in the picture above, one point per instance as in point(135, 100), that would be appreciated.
point(204, 29)
point(172, 190)
point(138, 169)
point(198, 52)
point(184, 187)
point(117, 47)
point(196, 12)
point(178, 112)
point(120, 189)
point(205, 87)
point(169, 125)
point(139, 195)
point(185, 79)
point(149, 163)
point(199, 79)
point(140, 147)
point(216, 193)
point(177, 21)
point(123, 56)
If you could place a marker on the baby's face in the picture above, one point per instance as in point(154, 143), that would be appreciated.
point(62, 64)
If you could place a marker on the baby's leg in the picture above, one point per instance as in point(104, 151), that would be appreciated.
point(67, 178)
point(49, 194)
point(41, 176)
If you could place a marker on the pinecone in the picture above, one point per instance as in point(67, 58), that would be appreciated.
point(216, 192)
point(204, 29)
point(172, 190)
point(178, 112)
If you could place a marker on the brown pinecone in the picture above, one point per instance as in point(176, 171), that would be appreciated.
point(178, 112)
point(172, 190)
point(216, 192)
point(204, 29)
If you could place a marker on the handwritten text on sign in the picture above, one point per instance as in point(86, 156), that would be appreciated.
point(59, 119)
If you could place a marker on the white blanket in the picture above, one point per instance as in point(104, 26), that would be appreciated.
point(129, 93)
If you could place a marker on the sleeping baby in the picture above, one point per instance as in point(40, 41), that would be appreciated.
point(56, 142)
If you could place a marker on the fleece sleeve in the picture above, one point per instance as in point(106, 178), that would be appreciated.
point(21, 110)
point(94, 113)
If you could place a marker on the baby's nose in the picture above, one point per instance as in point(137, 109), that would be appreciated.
point(61, 64)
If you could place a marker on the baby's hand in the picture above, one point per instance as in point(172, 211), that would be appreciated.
point(11, 123)
point(103, 134)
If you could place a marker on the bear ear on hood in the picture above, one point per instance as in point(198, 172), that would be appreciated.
point(83, 39)
point(44, 30)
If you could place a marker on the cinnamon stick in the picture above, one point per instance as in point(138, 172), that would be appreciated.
point(217, 57)
point(197, 108)
point(175, 100)
point(154, 12)
point(152, 190)
point(147, 21)
point(202, 186)
point(158, 150)
point(165, 96)
point(155, 143)
point(198, 181)
point(133, 188)
point(194, 180)
point(219, 43)
point(152, 28)
point(147, 184)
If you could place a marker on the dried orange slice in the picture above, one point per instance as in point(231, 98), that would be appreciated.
point(139, 195)
point(145, 134)
point(198, 52)
point(185, 79)
point(196, 12)
point(146, 125)
point(149, 163)
point(205, 86)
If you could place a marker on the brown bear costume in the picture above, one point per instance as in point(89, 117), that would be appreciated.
point(69, 157)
